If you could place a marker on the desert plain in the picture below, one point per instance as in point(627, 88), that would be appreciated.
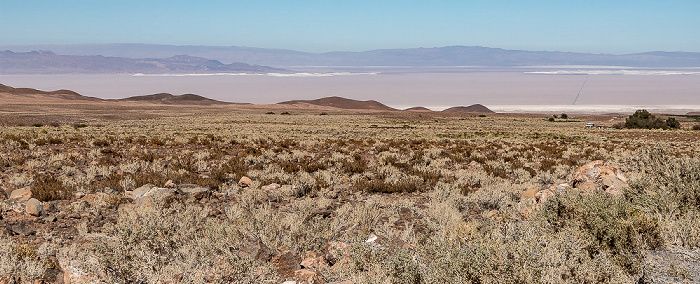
point(143, 192)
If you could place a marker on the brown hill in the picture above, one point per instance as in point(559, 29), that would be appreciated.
point(418, 108)
point(166, 98)
point(693, 113)
point(475, 108)
point(343, 103)
point(60, 94)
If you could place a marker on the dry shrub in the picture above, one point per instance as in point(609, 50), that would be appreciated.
point(148, 245)
point(48, 187)
point(670, 187)
point(357, 165)
point(613, 224)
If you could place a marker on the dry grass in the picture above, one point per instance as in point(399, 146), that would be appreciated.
point(445, 191)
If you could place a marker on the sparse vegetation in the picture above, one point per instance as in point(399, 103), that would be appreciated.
point(446, 197)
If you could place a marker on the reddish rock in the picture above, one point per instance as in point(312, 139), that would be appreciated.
point(21, 195)
point(307, 276)
point(35, 208)
point(599, 176)
point(254, 248)
point(286, 263)
point(245, 182)
point(313, 261)
point(170, 184)
point(530, 193)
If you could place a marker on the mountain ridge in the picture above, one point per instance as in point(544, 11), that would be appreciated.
point(48, 62)
point(431, 56)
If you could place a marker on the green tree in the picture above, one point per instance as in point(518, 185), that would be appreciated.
point(644, 119)
point(673, 123)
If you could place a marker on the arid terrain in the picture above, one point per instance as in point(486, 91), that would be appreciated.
point(145, 192)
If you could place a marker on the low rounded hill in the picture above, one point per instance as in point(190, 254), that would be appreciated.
point(167, 98)
point(475, 108)
point(339, 102)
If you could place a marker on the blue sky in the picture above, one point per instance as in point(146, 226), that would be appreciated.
point(612, 26)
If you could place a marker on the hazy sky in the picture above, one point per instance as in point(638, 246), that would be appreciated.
point(610, 26)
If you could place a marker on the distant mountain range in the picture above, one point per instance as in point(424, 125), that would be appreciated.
point(436, 56)
point(47, 62)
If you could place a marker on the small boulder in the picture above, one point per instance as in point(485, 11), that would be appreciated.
point(21, 195)
point(253, 247)
point(542, 195)
point(35, 208)
point(21, 229)
point(313, 261)
point(530, 193)
point(599, 176)
point(270, 187)
point(74, 272)
point(245, 182)
point(286, 263)
point(194, 191)
point(307, 276)
point(335, 252)
point(156, 194)
point(79, 194)
point(170, 184)
point(136, 193)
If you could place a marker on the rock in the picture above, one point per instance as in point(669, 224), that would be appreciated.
point(79, 194)
point(313, 261)
point(50, 207)
point(137, 193)
point(586, 186)
point(17, 207)
point(170, 184)
point(335, 252)
point(21, 229)
point(156, 194)
point(599, 176)
point(286, 263)
point(34, 207)
point(562, 187)
point(21, 195)
point(245, 182)
point(254, 248)
point(74, 273)
point(307, 276)
point(50, 218)
point(542, 195)
point(272, 186)
point(194, 191)
point(530, 193)
point(613, 185)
